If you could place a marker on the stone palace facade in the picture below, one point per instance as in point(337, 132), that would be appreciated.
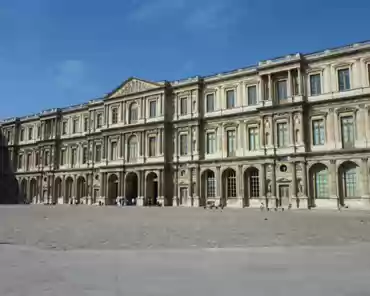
point(288, 132)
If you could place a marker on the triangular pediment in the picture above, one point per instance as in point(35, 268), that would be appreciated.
point(133, 85)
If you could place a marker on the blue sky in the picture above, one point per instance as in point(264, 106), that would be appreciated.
point(59, 53)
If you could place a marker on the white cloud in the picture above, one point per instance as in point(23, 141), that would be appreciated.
point(70, 74)
point(205, 14)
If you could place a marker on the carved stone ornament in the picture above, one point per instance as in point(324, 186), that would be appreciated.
point(267, 124)
point(133, 86)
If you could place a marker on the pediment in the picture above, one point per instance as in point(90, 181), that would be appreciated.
point(133, 85)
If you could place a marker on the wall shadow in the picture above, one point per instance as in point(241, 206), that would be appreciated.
point(9, 189)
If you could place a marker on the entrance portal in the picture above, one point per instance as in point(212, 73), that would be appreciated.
point(131, 189)
point(151, 189)
point(283, 200)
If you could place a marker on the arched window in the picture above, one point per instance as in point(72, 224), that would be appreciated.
point(133, 113)
point(320, 181)
point(230, 178)
point(132, 149)
point(349, 182)
point(211, 184)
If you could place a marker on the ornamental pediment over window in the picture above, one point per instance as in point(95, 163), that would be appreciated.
point(133, 85)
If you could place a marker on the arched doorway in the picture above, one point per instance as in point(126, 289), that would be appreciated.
point(131, 188)
point(112, 189)
point(24, 190)
point(229, 186)
point(69, 190)
point(33, 191)
point(208, 186)
point(348, 182)
point(81, 189)
point(319, 182)
point(251, 185)
point(57, 189)
point(151, 195)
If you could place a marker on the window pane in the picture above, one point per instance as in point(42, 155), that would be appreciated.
point(281, 90)
point(350, 182)
point(253, 139)
point(210, 102)
point(318, 132)
point(152, 142)
point(98, 153)
point(252, 95)
point(347, 126)
point(230, 99)
point(152, 109)
point(183, 144)
point(282, 134)
point(183, 106)
point(113, 155)
point(343, 80)
point(231, 143)
point(211, 143)
point(315, 84)
point(114, 115)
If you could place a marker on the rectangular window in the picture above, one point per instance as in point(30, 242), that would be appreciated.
point(253, 138)
point(84, 155)
point(183, 106)
point(152, 146)
point(183, 144)
point(38, 131)
point(98, 153)
point(30, 133)
point(210, 102)
point(73, 157)
point(48, 129)
point(318, 132)
point(20, 161)
point(231, 143)
point(64, 127)
point(46, 158)
point(348, 135)
point(86, 124)
point(252, 95)
point(211, 143)
point(281, 90)
point(22, 135)
point(114, 115)
point(113, 151)
point(37, 159)
point(75, 126)
point(230, 99)
point(344, 80)
point(282, 140)
point(63, 157)
point(152, 109)
point(315, 84)
point(99, 120)
point(28, 161)
point(9, 136)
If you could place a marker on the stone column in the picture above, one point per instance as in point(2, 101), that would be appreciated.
point(189, 201)
point(63, 193)
point(273, 184)
point(261, 96)
point(293, 200)
point(333, 180)
point(262, 179)
point(160, 188)
point(140, 198)
point(74, 193)
point(303, 199)
point(196, 198)
point(218, 184)
point(291, 127)
point(299, 81)
point(289, 86)
point(365, 178)
point(270, 87)
point(239, 187)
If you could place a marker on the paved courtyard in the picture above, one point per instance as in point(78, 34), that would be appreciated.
point(76, 250)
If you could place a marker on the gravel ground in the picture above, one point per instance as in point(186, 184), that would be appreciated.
point(112, 228)
point(69, 250)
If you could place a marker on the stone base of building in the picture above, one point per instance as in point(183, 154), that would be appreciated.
point(357, 204)
point(329, 203)
point(235, 203)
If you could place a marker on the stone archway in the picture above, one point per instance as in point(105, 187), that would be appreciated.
point(208, 180)
point(112, 189)
point(151, 194)
point(33, 191)
point(228, 186)
point(132, 186)
point(24, 190)
point(57, 189)
point(348, 181)
point(69, 190)
point(251, 185)
point(81, 189)
point(318, 183)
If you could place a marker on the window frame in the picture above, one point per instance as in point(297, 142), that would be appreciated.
point(283, 99)
point(338, 70)
point(183, 151)
point(310, 75)
point(208, 151)
point(151, 138)
point(257, 143)
point(152, 115)
point(213, 94)
point(114, 114)
point(227, 106)
point(231, 153)
point(183, 107)
point(286, 134)
point(313, 121)
point(248, 87)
